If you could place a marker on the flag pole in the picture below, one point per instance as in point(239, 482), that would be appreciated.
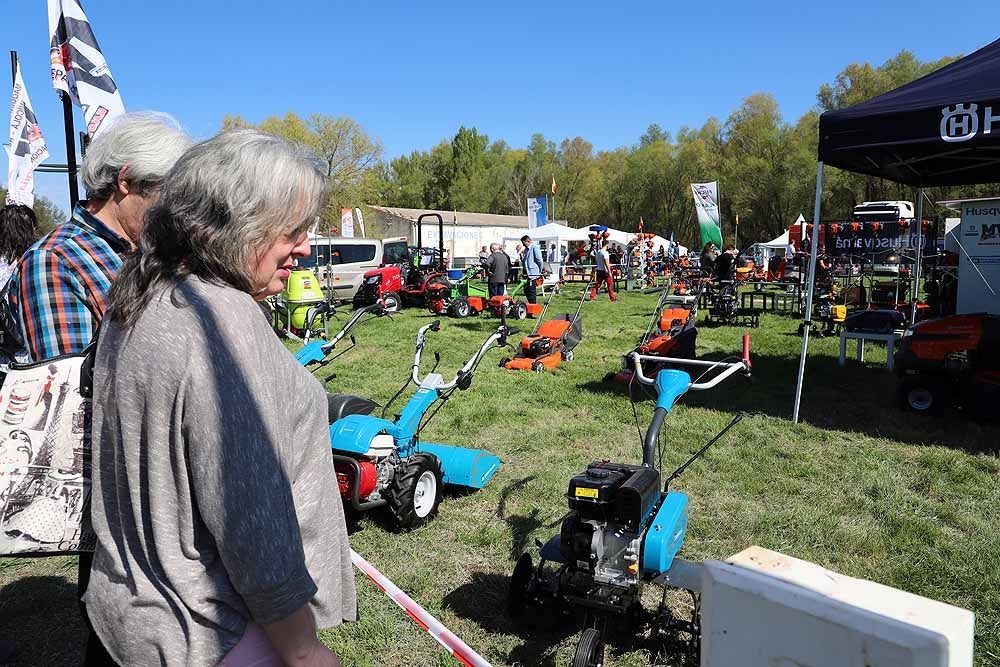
point(74, 189)
point(13, 67)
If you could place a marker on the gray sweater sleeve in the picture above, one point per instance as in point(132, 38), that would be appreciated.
point(240, 470)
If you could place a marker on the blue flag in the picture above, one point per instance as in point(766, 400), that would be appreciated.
point(537, 211)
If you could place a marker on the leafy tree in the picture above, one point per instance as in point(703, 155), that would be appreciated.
point(342, 145)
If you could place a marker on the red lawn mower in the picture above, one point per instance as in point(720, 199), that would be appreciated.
point(951, 360)
point(397, 286)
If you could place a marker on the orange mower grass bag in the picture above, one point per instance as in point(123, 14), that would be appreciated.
point(551, 344)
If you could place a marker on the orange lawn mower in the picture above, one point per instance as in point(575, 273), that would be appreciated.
point(671, 332)
point(551, 342)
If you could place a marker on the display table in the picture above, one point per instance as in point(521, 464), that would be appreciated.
point(577, 274)
point(888, 338)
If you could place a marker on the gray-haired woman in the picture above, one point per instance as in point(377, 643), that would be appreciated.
point(221, 535)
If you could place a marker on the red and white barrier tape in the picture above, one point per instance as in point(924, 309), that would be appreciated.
point(459, 649)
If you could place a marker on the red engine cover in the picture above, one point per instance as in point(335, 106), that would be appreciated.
point(392, 279)
point(437, 306)
point(345, 477)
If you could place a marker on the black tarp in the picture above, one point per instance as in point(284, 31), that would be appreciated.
point(942, 129)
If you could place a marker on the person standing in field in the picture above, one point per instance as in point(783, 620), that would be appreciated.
point(60, 288)
point(18, 230)
point(497, 266)
point(221, 537)
point(603, 272)
point(533, 267)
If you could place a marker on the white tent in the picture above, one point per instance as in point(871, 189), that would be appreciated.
point(553, 234)
point(622, 239)
point(780, 242)
point(552, 230)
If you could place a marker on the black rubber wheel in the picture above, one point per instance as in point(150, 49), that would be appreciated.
point(537, 366)
point(517, 588)
point(567, 355)
point(392, 302)
point(461, 308)
point(504, 362)
point(415, 491)
point(922, 394)
point(520, 310)
point(589, 650)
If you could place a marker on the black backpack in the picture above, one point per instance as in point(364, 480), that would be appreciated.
point(11, 340)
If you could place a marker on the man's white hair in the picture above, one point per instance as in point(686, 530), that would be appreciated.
point(147, 143)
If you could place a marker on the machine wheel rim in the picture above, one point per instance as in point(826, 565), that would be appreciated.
point(424, 494)
point(520, 311)
point(391, 303)
point(462, 308)
point(920, 398)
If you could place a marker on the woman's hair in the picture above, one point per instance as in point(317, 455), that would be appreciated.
point(708, 246)
point(18, 230)
point(225, 201)
point(148, 143)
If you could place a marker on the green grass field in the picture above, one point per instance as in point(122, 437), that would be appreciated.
point(860, 487)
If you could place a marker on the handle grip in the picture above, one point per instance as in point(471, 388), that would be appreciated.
point(436, 326)
point(746, 350)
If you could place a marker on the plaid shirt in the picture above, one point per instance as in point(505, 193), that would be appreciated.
point(61, 285)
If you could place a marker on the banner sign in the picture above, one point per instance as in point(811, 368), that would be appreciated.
point(706, 204)
point(841, 239)
point(538, 213)
point(979, 263)
point(347, 223)
point(78, 66)
point(27, 146)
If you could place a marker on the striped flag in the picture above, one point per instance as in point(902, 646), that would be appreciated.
point(27, 146)
point(641, 223)
point(553, 184)
point(78, 66)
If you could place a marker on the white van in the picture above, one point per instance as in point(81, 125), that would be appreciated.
point(340, 263)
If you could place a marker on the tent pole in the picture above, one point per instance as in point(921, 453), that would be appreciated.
point(916, 266)
point(807, 322)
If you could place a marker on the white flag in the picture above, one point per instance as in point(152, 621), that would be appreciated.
point(78, 66)
point(27, 146)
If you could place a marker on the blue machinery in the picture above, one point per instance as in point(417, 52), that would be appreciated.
point(622, 530)
point(382, 462)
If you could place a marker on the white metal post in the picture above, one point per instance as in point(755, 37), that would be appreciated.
point(807, 322)
point(916, 266)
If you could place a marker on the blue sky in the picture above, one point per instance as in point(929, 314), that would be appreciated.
point(412, 72)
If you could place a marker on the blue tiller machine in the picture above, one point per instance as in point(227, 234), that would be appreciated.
point(623, 531)
point(385, 463)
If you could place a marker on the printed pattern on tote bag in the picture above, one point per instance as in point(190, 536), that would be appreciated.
point(44, 460)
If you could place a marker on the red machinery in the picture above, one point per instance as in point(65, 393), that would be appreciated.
point(397, 286)
point(951, 360)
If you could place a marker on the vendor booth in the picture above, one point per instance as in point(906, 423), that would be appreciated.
point(935, 131)
point(552, 239)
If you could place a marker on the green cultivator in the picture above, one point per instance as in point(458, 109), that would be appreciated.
point(469, 296)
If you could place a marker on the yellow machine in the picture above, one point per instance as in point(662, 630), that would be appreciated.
point(302, 292)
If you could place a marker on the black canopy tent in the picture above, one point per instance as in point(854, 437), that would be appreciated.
point(942, 129)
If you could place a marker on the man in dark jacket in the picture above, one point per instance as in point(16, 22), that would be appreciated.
point(497, 266)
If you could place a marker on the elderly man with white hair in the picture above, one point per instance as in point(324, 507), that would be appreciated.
point(497, 266)
point(59, 289)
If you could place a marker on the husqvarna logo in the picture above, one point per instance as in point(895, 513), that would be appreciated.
point(961, 122)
